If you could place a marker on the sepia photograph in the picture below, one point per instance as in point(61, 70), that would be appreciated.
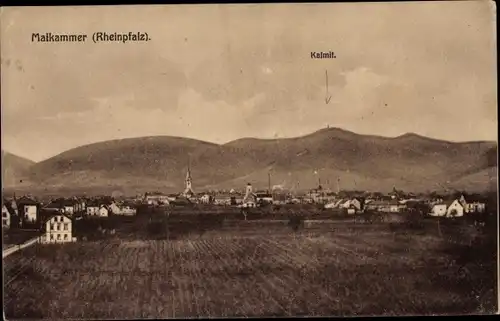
point(249, 160)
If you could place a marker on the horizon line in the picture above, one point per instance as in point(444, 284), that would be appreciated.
point(266, 139)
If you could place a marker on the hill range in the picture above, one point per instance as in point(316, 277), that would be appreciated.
point(14, 168)
point(337, 158)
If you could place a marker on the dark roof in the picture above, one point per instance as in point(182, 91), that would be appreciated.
point(412, 203)
point(128, 203)
point(53, 204)
point(58, 214)
point(473, 199)
point(26, 201)
point(92, 203)
point(154, 194)
point(61, 202)
point(449, 202)
point(382, 203)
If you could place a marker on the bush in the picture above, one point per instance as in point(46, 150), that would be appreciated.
point(296, 222)
point(157, 229)
point(413, 220)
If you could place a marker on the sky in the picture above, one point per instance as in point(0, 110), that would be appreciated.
point(223, 72)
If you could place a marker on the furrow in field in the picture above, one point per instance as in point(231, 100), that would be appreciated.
point(177, 276)
point(193, 276)
point(25, 265)
point(268, 287)
point(171, 279)
point(386, 254)
point(221, 249)
point(276, 256)
point(285, 257)
point(220, 294)
point(315, 288)
point(296, 253)
point(160, 283)
point(205, 275)
point(185, 289)
point(201, 278)
point(377, 251)
point(263, 280)
point(252, 306)
point(284, 289)
point(334, 244)
point(135, 265)
point(389, 245)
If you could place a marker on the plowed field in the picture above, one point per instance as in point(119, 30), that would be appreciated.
point(240, 273)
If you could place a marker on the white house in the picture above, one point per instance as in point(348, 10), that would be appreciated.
point(92, 210)
point(122, 209)
point(205, 199)
point(475, 207)
point(392, 206)
point(97, 208)
point(156, 198)
point(69, 208)
point(438, 210)
point(103, 211)
point(330, 205)
point(128, 210)
point(28, 209)
point(5, 217)
point(58, 229)
point(352, 203)
point(472, 205)
point(454, 209)
point(115, 209)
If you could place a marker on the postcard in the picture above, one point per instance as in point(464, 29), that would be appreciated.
point(249, 160)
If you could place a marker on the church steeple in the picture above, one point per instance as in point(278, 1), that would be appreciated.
point(189, 188)
point(188, 178)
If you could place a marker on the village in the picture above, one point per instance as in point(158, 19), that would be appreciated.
point(52, 221)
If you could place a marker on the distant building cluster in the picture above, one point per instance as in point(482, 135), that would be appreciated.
point(56, 217)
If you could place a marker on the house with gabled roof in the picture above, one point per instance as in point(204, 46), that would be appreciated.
point(5, 216)
point(438, 209)
point(454, 208)
point(472, 204)
point(124, 208)
point(27, 209)
point(103, 210)
point(58, 229)
point(92, 208)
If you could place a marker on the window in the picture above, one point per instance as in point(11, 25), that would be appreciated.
point(61, 219)
point(4, 214)
point(51, 236)
point(58, 227)
point(65, 226)
point(52, 226)
point(58, 236)
point(65, 236)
